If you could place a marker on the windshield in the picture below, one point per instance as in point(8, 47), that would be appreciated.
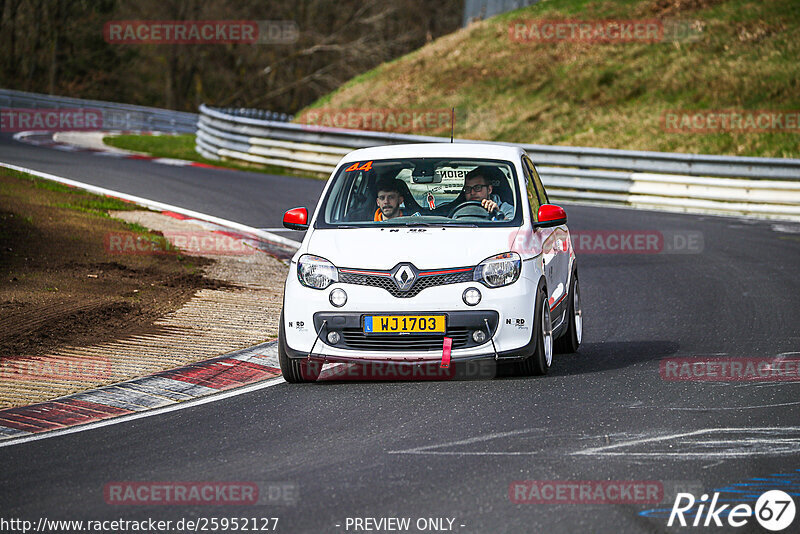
point(422, 191)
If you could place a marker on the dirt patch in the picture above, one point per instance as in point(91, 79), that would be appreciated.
point(60, 286)
point(80, 308)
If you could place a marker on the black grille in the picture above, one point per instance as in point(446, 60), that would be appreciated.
point(459, 327)
point(354, 338)
point(422, 281)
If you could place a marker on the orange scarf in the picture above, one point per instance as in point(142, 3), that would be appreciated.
point(379, 215)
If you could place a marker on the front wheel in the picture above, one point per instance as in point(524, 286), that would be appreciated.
point(295, 370)
point(571, 339)
point(540, 361)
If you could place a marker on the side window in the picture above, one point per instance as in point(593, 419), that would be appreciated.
point(539, 186)
point(349, 198)
point(533, 195)
point(356, 193)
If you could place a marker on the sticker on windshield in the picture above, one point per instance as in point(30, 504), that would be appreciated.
point(356, 167)
point(451, 173)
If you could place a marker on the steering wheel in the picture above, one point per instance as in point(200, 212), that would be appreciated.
point(471, 208)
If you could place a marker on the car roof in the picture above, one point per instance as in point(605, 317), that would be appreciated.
point(436, 150)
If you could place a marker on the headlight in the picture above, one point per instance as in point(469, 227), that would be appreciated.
point(316, 272)
point(500, 270)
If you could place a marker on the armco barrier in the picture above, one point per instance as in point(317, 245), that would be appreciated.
point(728, 185)
point(763, 187)
point(115, 116)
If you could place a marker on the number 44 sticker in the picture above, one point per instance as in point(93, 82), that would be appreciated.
point(355, 167)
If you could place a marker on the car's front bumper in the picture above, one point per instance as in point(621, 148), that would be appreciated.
point(507, 311)
point(415, 358)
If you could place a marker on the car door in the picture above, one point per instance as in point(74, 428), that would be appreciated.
point(555, 249)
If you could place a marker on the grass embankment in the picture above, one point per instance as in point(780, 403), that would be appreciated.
point(60, 282)
point(745, 57)
point(182, 147)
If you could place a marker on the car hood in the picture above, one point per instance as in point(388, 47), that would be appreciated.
point(426, 248)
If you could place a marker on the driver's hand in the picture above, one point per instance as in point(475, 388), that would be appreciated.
point(489, 205)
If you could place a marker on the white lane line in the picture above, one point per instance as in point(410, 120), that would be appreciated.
point(150, 413)
point(756, 385)
point(769, 439)
point(761, 441)
point(786, 228)
point(160, 206)
point(426, 449)
point(172, 161)
point(648, 440)
point(703, 409)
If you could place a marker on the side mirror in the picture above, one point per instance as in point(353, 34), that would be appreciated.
point(551, 215)
point(296, 219)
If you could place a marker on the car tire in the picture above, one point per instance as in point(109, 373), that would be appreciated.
point(571, 339)
point(295, 370)
point(540, 361)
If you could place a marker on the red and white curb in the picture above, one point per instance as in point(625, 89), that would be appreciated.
point(45, 138)
point(150, 395)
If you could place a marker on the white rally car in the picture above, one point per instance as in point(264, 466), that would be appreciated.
point(423, 253)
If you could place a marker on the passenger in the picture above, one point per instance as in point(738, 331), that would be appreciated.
point(389, 200)
point(477, 187)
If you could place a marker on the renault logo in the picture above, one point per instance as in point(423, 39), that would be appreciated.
point(404, 277)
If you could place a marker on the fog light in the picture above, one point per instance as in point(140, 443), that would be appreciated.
point(471, 296)
point(479, 336)
point(338, 297)
point(333, 338)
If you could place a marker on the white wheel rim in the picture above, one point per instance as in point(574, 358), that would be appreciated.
point(576, 304)
point(547, 334)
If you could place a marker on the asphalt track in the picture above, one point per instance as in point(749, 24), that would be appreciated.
point(452, 448)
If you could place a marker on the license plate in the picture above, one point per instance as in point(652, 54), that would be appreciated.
point(404, 324)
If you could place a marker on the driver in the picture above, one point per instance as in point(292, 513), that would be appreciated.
point(389, 200)
point(477, 187)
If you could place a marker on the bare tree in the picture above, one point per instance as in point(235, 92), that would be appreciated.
point(57, 46)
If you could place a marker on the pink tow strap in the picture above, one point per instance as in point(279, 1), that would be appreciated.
point(448, 343)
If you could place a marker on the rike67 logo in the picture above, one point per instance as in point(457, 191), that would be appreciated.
point(774, 510)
